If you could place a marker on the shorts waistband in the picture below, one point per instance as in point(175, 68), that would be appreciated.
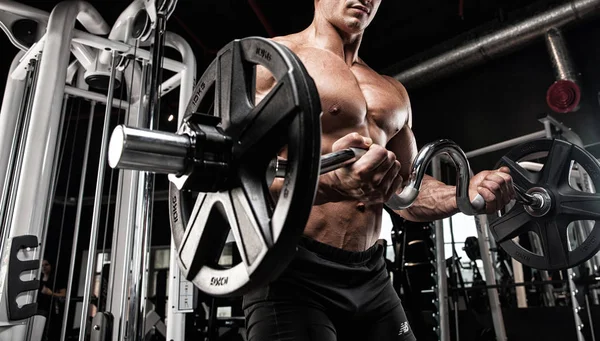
point(336, 254)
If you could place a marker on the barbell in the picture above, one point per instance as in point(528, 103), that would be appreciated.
point(223, 159)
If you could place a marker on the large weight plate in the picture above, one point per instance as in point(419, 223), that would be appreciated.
point(560, 159)
point(266, 229)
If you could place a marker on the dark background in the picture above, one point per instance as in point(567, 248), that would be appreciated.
point(486, 104)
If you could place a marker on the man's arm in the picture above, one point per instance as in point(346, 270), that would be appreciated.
point(437, 200)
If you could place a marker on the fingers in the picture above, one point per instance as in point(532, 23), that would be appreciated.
point(393, 180)
point(376, 166)
point(352, 140)
point(497, 189)
point(504, 169)
point(374, 177)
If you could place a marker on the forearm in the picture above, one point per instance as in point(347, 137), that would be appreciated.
point(436, 201)
point(325, 191)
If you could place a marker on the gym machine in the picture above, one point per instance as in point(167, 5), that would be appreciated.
point(208, 157)
point(40, 81)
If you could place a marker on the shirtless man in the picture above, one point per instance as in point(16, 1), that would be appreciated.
point(337, 287)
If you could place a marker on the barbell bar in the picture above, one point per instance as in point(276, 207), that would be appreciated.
point(170, 153)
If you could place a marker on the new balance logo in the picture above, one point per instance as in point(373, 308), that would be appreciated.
point(403, 328)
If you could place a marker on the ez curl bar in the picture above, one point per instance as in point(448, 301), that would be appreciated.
point(220, 166)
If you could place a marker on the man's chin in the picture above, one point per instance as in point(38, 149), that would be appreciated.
point(355, 26)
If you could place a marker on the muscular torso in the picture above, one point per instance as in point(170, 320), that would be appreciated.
point(354, 98)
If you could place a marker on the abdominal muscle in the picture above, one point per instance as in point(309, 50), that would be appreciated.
point(347, 225)
point(350, 224)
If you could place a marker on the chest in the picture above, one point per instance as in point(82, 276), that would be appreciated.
point(353, 97)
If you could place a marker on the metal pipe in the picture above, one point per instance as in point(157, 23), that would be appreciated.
point(94, 96)
point(562, 63)
point(175, 316)
point(145, 204)
point(170, 84)
point(483, 237)
point(125, 221)
point(440, 267)
point(91, 261)
point(588, 309)
point(77, 225)
point(575, 307)
point(12, 162)
point(72, 72)
point(506, 144)
point(122, 48)
point(495, 44)
point(519, 280)
point(32, 53)
point(58, 157)
point(188, 74)
point(9, 117)
point(14, 228)
point(84, 54)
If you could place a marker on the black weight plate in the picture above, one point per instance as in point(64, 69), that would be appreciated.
point(266, 230)
point(568, 205)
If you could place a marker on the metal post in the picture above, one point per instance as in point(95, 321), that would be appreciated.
point(91, 260)
point(576, 308)
point(145, 202)
point(548, 289)
point(175, 311)
point(124, 206)
point(77, 223)
point(490, 276)
point(519, 278)
point(16, 329)
point(125, 215)
point(440, 265)
point(9, 115)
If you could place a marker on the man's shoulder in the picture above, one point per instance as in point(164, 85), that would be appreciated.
point(291, 41)
point(396, 83)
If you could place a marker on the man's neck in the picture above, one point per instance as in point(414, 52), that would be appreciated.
point(328, 37)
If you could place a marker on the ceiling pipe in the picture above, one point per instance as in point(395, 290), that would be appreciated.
point(564, 94)
point(495, 44)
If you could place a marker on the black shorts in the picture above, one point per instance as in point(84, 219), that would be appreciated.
point(328, 294)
